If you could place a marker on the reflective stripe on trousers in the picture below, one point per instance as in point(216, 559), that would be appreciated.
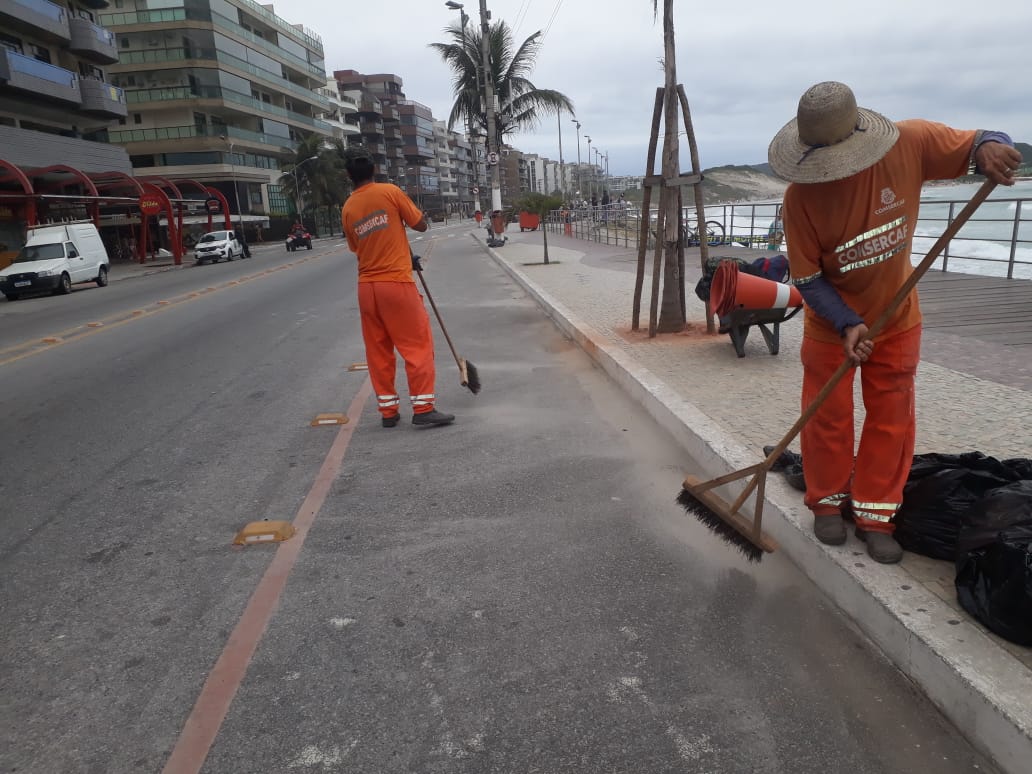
point(873, 475)
point(394, 318)
point(422, 400)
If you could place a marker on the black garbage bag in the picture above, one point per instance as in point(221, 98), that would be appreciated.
point(941, 490)
point(994, 563)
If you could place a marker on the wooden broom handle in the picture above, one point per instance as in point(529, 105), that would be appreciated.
point(901, 295)
point(430, 298)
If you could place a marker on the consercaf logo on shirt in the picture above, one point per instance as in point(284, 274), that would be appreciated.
point(370, 223)
point(888, 198)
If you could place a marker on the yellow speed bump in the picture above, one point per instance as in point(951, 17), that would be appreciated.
point(264, 532)
point(329, 419)
point(52, 340)
point(358, 367)
point(95, 325)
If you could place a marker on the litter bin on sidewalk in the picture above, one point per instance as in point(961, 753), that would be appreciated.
point(529, 221)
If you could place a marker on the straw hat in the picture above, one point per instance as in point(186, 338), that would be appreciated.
point(830, 138)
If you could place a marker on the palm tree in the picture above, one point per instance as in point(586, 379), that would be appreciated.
point(322, 182)
point(671, 314)
point(521, 103)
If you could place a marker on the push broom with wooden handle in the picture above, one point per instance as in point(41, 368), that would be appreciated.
point(724, 518)
point(468, 376)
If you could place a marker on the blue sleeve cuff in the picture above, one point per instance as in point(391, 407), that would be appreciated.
point(821, 296)
point(984, 137)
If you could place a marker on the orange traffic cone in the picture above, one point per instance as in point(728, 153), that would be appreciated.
point(732, 289)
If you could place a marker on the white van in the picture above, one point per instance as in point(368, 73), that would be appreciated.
point(55, 258)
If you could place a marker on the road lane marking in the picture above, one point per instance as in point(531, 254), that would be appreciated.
point(32, 347)
point(221, 686)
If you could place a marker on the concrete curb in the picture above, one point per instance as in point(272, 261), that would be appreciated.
point(986, 698)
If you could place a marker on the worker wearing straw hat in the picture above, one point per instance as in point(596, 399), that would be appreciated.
point(393, 316)
point(849, 219)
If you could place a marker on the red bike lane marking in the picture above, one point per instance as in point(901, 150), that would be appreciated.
point(205, 719)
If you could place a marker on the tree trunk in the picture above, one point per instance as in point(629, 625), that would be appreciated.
point(671, 319)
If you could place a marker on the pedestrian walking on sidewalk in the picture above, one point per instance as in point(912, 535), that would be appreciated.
point(393, 316)
point(850, 213)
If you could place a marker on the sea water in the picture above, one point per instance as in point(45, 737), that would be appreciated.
point(997, 232)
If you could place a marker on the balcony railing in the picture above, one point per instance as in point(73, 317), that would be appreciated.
point(138, 96)
point(46, 80)
point(160, 55)
point(92, 40)
point(143, 17)
point(40, 14)
point(308, 36)
point(166, 133)
point(103, 98)
point(274, 50)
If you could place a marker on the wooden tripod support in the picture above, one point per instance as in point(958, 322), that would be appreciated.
point(666, 190)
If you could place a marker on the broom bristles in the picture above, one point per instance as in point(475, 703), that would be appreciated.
point(694, 506)
point(472, 380)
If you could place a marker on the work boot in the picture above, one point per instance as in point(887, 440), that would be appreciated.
point(390, 421)
point(830, 530)
point(432, 417)
point(881, 546)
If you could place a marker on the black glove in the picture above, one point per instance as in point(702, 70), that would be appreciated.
point(416, 265)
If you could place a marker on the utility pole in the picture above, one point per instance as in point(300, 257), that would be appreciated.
point(463, 20)
point(562, 175)
point(492, 139)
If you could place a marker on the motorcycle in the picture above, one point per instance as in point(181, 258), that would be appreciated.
point(297, 240)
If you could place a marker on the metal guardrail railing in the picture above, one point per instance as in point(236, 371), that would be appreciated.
point(996, 241)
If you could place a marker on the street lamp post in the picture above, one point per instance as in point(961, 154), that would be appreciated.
point(297, 188)
point(580, 187)
point(419, 184)
point(586, 137)
point(463, 20)
point(236, 189)
point(562, 176)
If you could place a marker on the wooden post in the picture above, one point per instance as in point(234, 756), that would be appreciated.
point(646, 202)
point(700, 206)
point(680, 255)
point(657, 268)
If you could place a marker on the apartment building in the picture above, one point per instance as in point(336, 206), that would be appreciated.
point(54, 84)
point(463, 171)
point(400, 134)
point(342, 115)
point(219, 91)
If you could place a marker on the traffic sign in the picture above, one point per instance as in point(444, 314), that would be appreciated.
point(492, 158)
point(476, 190)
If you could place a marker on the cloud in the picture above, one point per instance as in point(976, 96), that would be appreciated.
point(743, 63)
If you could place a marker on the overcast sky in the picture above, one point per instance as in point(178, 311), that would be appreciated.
point(743, 63)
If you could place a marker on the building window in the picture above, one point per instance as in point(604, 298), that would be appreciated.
point(124, 42)
point(10, 43)
point(137, 118)
point(41, 53)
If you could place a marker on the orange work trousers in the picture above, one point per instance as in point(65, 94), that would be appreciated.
point(393, 317)
point(871, 481)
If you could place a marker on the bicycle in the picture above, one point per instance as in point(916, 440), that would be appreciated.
point(714, 234)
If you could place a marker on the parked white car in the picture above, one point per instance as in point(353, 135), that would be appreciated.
point(217, 244)
point(54, 258)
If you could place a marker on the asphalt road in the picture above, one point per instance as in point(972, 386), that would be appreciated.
point(515, 593)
